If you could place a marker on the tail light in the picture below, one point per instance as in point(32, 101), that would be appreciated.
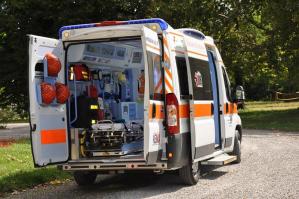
point(47, 92)
point(62, 93)
point(54, 65)
point(172, 108)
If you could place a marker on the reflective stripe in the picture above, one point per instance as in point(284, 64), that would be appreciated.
point(167, 68)
point(202, 110)
point(53, 136)
point(165, 42)
point(184, 111)
point(232, 108)
point(168, 72)
point(153, 48)
point(178, 51)
point(158, 88)
point(176, 34)
point(168, 85)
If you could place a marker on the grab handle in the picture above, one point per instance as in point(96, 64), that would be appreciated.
point(75, 93)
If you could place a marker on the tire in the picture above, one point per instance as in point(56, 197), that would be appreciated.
point(84, 178)
point(190, 173)
point(237, 147)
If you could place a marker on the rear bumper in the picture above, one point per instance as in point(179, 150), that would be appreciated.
point(112, 166)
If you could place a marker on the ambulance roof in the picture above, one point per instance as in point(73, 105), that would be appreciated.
point(163, 24)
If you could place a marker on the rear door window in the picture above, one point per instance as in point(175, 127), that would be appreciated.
point(155, 76)
point(182, 73)
point(201, 79)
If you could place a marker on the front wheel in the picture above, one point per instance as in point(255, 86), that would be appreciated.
point(237, 147)
point(190, 173)
point(83, 178)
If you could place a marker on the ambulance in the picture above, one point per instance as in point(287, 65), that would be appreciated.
point(120, 96)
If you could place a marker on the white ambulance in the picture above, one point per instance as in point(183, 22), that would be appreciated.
point(118, 96)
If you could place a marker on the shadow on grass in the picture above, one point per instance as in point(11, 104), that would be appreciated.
point(285, 120)
point(29, 179)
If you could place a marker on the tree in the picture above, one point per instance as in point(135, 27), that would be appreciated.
point(258, 40)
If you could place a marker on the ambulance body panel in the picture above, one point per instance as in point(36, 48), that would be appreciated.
point(176, 79)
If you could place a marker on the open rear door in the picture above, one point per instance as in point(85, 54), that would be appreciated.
point(48, 126)
point(201, 104)
point(153, 98)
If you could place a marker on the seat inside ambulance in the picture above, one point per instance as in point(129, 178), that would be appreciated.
point(106, 81)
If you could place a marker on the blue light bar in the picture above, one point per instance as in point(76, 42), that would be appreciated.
point(163, 24)
point(71, 27)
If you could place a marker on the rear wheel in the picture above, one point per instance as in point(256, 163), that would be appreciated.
point(190, 173)
point(83, 178)
point(237, 147)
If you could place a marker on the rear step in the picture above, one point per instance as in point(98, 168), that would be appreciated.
point(219, 160)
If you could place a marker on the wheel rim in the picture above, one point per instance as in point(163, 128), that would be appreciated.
point(195, 169)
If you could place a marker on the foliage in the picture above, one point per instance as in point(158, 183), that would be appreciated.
point(8, 114)
point(17, 171)
point(258, 39)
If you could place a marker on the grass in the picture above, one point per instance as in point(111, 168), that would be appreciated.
point(282, 116)
point(17, 171)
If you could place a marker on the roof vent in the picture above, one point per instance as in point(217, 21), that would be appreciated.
point(193, 33)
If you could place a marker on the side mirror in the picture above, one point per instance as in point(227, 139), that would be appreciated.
point(239, 96)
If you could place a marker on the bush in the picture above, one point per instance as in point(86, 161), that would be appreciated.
point(8, 114)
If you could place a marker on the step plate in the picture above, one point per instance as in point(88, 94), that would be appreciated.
point(219, 160)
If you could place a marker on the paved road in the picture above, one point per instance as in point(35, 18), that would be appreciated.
point(15, 131)
point(269, 169)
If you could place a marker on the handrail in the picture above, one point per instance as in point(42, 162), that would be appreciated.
point(75, 92)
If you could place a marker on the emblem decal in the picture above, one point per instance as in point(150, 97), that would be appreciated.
point(198, 79)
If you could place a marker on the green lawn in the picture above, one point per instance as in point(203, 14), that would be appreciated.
point(271, 115)
point(17, 171)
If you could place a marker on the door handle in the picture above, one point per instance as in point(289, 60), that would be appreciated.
point(226, 108)
point(33, 127)
point(154, 110)
point(212, 108)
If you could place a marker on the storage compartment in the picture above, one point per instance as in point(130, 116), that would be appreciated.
point(106, 106)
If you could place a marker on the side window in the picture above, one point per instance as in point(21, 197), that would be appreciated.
point(227, 84)
point(155, 76)
point(201, 79)
point(182, 73)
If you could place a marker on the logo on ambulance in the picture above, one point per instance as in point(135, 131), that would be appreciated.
point(156, 138)
point(198, 79)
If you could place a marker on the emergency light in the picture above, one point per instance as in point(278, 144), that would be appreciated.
point(163, 24)
point(48, 93)
point(53, 63)
point(62, 93)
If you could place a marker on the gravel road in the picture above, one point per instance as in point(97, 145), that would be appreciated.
point(269, 169)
